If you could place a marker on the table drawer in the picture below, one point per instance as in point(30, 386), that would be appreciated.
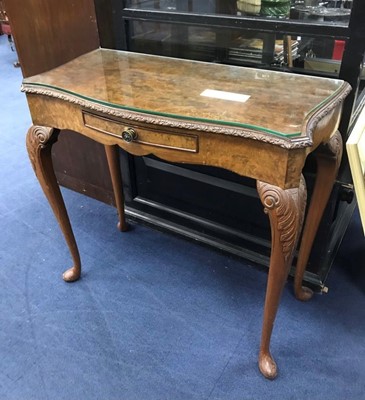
point(137, 134)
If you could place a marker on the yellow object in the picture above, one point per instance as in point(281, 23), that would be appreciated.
point(249, 6)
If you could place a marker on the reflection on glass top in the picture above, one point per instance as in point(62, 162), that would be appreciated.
point(269, 101)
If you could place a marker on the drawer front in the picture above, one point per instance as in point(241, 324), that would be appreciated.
point(135, 134)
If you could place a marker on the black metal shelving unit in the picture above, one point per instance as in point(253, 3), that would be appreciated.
point(192, 201)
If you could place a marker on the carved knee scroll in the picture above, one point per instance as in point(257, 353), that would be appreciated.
point(285, 209)
point(39, 145)
point(328, 158)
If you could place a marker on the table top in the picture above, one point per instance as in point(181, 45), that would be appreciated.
point(271, 102)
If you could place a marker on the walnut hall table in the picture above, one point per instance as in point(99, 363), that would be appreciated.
point(257, 123)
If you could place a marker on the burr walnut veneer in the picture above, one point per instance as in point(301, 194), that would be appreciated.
point(257, 123)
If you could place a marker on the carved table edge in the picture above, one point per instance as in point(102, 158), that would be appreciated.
point(134, 116)
point(317, 115)
point(286, 143)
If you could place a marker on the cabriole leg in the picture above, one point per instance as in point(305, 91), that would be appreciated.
point(285, 209)
point(328, 158)
point(39, 145)
point(114, 168)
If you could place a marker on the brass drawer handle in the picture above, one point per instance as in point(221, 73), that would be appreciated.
point(129, 135)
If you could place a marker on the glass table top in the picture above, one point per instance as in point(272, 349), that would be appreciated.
point(268, 101)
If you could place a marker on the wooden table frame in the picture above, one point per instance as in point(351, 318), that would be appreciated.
point(276, 163)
